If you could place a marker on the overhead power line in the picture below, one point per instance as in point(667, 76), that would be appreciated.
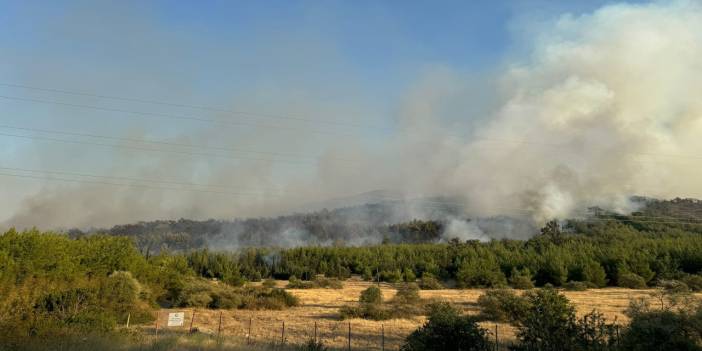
point(124, 178)
point(197, 107)
point(167, 143)
point(176, 116)
point(131, 185)
point(187, 153)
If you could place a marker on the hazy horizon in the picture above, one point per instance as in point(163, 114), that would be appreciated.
point(120, 112)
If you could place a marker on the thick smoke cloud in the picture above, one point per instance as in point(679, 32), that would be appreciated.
point(596, 108)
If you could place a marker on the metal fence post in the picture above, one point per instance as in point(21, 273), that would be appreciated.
point(158, 314)
point(382, 337)
point(349, 336)
point(219, 327)
point(282, 335)
point(192, 319)
point(248, 336)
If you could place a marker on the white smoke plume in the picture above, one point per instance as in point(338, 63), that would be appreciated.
point(593, 109)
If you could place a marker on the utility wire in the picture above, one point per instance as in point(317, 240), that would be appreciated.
point(122, 178)
point(175, 116)
point(197, 107)
point(168, 143)
point(133, 185)
point(197, 154)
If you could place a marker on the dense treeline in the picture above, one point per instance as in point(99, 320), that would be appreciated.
point(365, 225)
point(385, 222)
point(618, 252)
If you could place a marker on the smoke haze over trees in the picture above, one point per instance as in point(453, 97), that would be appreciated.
point(590, 109)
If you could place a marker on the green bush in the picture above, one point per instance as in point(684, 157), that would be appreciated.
point(548, 323)
point(664, 330)
point(409, 276)
point(576, 286)
point(316, 283)
point(631, 281)
point(393, 276)
point(521, 279)
point(673, 286)
point(446, 329)
point(693, 281)
point(480, 273)
point(501, 305)
point(371, 295)
point(313, 345)
point(407, 294)
point(594, 273)
point(429, 282)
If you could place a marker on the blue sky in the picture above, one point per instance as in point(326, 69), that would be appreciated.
point(341, 61)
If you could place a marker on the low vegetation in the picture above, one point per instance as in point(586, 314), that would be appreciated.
point(447, 329)
point(317, 283)
point(405, 304)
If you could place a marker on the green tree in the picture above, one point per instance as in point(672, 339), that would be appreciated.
point(446, 329)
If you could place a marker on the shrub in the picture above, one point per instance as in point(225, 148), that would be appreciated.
point(275, 299)
point(673, 286)
point(576, 286)
point(594, 273)
point(317, 282)
point(372, 295)
point(429, 282)
point(313, 345)
point(407, 294)
point(664, 330)
point(551, 271)
point(268, 283)
point(446, 329)
point(548, 323)
point(198, 299)
point(501, 306)
point(521, 282)
point(328, 283)
point(483, 273)
point(294, 283)
point(631, 281)
point(367, 274)
point(693, 281)
point(122, 289)
point(409, 275)
point(391, 276)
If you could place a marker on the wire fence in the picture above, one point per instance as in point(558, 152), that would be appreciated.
point(264, 332)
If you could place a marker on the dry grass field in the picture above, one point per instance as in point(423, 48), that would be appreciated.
point(320, 307)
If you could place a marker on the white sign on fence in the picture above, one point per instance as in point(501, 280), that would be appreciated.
point(176, 319)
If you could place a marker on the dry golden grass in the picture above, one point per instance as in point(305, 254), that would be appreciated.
point(321, 306)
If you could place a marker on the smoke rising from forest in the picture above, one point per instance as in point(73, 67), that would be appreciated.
point(604, 107)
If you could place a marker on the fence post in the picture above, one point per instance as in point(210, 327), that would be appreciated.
point(349, 336)
point(248, 336)
point(497, 341)
point(219, 327)
point(158, 314)
point(315, 332)
point(382, 337)
point(129, 315)
point(192, 319)
point(282, 335)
